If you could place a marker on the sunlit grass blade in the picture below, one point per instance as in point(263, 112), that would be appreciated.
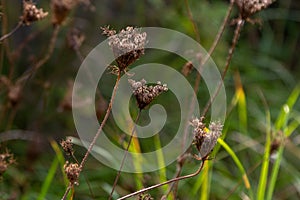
point(241, 100)
point(205, 187)
point(238, 164)
point(137, 162)
point(161, 163)
point(266, 159)
point(198, 184)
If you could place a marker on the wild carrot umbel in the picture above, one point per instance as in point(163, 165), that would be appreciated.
point(128, 45)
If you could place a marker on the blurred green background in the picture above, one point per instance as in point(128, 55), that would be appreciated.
point(266, 61)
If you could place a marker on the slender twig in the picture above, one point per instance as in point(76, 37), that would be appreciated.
point(125, 155)
point(211, 50)
point(198, 79)
point(166, 182)
point(78, 53)
point(191, 18)
point(67, 192)
point(103, 121)
point(46, 57)
point(11, 32)
point(239, 24)
point(89, 150)
point(5, 43)
point(18, 50)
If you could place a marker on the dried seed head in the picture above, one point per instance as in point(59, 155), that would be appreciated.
point(249, 7)
point(128, 45)
point(67, 146)
point(72, 171)
point(145, 94)
point(60, 10)
point(6, 159)
point(187, 68)
point(145, 197)
point(205, 139)
point(14, 94)
point(31, 13)
point(75, 38)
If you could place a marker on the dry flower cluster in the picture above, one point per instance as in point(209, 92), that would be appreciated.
point(128, 45)
point(31, 13)
point(145, 94)
point(205, 139)
point(72, 171)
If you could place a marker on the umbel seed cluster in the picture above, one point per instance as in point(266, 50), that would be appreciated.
point(31, 13)
point(127, 46)
point(249, 7)
point(145, 94)
point(205, 138)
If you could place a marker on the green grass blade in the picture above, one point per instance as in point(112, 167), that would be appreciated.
point(137, 162)
point(286, 108)
point(61, 160)
point(265, 163)
point(198, 183)
point(274, 173)
point(49, 179)
point(161, 162)
point(52, 171)
point(238, 164)
point(205, 187)
point(281, 124)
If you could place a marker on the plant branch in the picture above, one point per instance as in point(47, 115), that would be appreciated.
point(125, 155)
point(42, 61)
point(190, 15)
point(89, 150)
point(239, 24)
point(103, 121)
point(198, 79)
point(166, 182)
point(66, 192)
point(11, 32)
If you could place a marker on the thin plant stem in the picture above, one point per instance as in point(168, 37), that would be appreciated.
point(103, 122)
point(191, 18)
point(239, 24)
point(11, 32)
point(46, 57)
point(125, 155)
point(18, 51)
point(67, 192)
point(198, 78)
point(5, 43)
point(41, 62)
point(211, 50)
point(166, 182)
point(78, 53)
point(89, 150)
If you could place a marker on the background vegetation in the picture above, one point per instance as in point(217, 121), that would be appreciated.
point(261, 86)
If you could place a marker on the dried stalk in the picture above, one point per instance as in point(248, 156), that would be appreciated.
point(125, 155)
